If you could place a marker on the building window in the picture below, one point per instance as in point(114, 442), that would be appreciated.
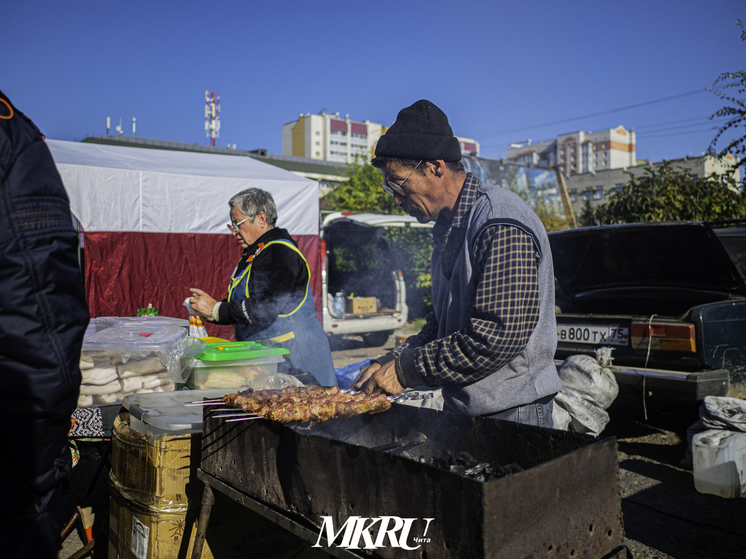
point(598, 194)
point(573, 195)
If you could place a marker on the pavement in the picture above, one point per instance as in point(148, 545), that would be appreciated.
point(664, 516)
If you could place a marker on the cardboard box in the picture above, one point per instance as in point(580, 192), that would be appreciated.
point(155, 502)
point(155, 471)
point(137, 531)
point(234, 532)
point(361, 305)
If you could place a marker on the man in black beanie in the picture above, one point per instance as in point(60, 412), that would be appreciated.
point(490, 340)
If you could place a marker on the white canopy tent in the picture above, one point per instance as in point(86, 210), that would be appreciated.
point(114, 188)
point(154, 221)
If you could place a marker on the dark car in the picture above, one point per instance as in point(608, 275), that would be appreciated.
point(670, 298)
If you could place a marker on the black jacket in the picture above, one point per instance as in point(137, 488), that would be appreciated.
point(43, 312)
point(277, 284)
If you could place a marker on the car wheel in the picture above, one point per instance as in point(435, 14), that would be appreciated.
point(376, 339)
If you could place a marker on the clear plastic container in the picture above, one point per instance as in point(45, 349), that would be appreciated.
point(234, 364)
point(108, 321)
point(158, 414)
point(231, 374)
point(122, 360)
point(719, 463)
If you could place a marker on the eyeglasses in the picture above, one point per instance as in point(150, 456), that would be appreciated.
point(234, 226)
point(391, 188)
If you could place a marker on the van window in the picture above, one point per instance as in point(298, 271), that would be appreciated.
point(360, 263)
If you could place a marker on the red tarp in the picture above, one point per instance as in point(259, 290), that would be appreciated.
point(125, 271)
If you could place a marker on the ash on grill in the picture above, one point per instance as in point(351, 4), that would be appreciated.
point(466, 465)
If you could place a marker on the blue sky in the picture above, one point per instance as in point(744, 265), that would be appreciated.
point(502, 71)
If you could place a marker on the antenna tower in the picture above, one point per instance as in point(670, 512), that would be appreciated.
point(212, 116)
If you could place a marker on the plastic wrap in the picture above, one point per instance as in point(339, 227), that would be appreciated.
point(121, 360)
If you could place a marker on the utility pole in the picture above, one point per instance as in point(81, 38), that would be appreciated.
point(565, 198)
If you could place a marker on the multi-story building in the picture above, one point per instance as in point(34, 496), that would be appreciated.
point(579, 152)
point(329, 137)
point(597, 186)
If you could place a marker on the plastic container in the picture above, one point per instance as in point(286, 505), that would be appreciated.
point(338, 305)
point(158, 414)
point(164, 321)
point(168, 413)
point(93, 328)
point(234, 364)
point(122, 360)
point(720, 463)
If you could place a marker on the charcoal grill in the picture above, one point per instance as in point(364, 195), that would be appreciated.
point(565, 503)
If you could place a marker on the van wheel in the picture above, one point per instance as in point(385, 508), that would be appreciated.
point(376, 339)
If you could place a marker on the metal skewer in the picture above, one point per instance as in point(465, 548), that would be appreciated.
point(236, 413)
point(244, 418)
point(215, 402)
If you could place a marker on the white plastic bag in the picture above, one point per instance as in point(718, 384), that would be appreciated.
point(588, 388)
point(585, 417)
point(720, 412)
point(196, 326)
point(588, 379)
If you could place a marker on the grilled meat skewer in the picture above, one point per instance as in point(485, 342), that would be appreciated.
point(306, 403)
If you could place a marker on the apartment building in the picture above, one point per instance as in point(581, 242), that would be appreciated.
point(579, 152)
point(329, 137)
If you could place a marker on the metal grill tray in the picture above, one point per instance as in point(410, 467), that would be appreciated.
point(565, 503)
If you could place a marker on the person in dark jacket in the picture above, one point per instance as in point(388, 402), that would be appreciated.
point(43, 319)
point(269, 295)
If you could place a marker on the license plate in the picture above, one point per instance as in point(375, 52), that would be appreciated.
point(592, 334)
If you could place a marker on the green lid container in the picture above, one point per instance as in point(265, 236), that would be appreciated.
point(235, 351)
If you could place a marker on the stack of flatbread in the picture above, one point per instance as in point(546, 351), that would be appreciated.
point(224, 377)
point(107, 379)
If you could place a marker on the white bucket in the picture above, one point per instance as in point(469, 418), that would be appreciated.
point(720, 463)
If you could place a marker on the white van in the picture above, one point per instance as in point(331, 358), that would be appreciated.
point(357, 261)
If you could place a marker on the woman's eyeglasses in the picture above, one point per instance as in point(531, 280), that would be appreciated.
point(233, 225)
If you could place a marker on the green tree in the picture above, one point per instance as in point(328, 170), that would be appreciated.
point(731, 87)
point(588, 215)
point(663, 193)
point(362, 191)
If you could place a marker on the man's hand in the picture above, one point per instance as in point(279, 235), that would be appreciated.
point(378, 379)
point(202, 303)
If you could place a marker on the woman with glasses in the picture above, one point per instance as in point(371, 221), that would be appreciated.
point(269, 295)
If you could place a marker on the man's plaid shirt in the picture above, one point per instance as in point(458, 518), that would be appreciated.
point(504, 314)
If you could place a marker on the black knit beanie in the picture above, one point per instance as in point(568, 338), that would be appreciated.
point(421, 131)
